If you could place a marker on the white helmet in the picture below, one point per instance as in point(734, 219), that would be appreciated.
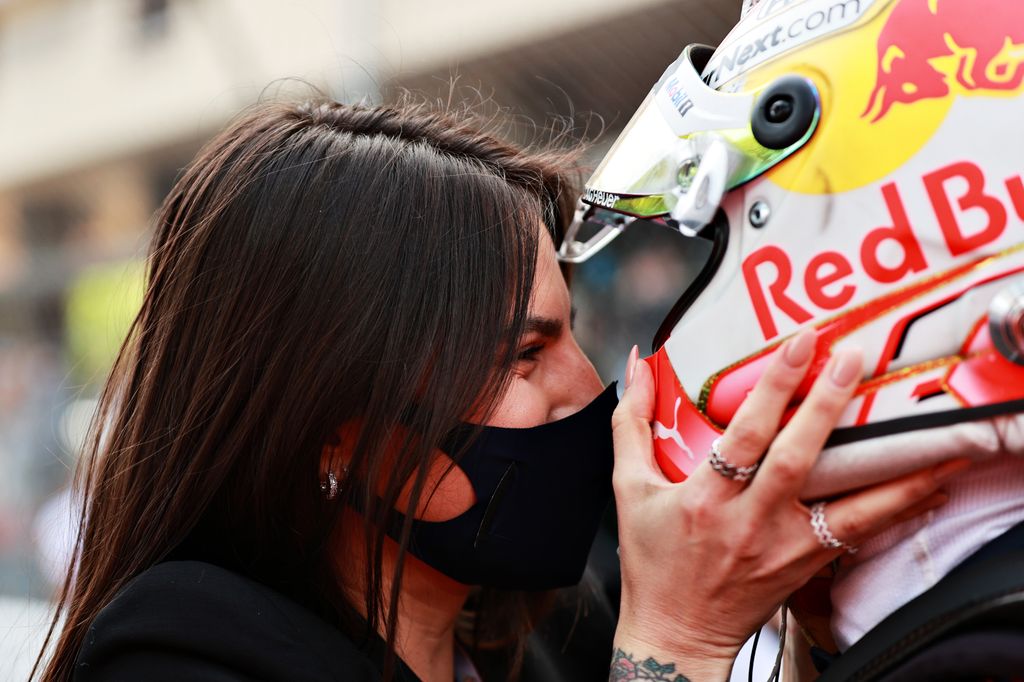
point(856, 166)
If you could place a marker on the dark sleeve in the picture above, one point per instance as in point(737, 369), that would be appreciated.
point(195, 621)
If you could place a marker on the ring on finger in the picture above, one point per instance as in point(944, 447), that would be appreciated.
point(720, 464)
point(821, 531)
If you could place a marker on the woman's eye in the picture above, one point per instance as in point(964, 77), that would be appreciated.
point(530, 353)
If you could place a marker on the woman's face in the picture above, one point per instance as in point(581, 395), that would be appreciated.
point(552, 377)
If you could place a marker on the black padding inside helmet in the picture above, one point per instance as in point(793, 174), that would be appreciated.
point(717, 231)
point(700, 55)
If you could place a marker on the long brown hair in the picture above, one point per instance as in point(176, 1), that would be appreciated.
point(317, 264)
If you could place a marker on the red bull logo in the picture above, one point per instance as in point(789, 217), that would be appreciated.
point(982, 39)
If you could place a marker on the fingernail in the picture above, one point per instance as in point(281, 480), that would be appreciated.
point(631, 365)
point(948, 470)
point(846, 367)
point(799, 348)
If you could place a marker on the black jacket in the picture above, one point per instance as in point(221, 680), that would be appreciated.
point(190, 620)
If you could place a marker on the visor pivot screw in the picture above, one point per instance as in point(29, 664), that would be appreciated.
point(687, 172)
point(760, 212)
point(1006, 322)
point(779, 109)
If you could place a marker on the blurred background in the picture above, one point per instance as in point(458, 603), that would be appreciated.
point(102, 103)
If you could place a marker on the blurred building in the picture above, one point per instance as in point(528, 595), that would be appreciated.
point(102, 102)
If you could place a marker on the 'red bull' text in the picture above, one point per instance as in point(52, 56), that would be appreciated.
point(827, 279)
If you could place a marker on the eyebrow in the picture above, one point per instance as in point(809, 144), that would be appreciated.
point(545, 326)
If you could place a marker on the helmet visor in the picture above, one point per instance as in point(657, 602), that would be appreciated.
point(656, 159)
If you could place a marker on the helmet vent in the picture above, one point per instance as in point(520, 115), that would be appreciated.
point(784, 112)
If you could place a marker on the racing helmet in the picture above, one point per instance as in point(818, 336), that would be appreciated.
point(856, 166)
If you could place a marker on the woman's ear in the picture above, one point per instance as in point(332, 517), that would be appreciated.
point(335, 459)
point(334, 456)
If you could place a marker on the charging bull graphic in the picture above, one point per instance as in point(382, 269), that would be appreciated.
point(984, 37)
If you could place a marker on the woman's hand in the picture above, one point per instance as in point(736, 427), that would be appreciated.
point(705, 562)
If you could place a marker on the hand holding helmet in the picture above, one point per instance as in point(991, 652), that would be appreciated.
point(855, 169)
point(706, 561)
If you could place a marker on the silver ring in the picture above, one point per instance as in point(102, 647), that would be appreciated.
point(730, 471)
point(822, 532)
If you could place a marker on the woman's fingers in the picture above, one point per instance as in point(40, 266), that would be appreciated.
point(797, 446)
point(933, 501)
point(631, 425)
point(857, 517)
point(757, 420)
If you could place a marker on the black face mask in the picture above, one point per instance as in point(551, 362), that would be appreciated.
point(540, 493)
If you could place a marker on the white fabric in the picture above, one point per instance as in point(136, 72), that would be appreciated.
point(909, 558)
point(465, 671)
point(852, 466)
point(764, 656)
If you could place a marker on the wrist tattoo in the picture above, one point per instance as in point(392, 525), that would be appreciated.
point(624, 668)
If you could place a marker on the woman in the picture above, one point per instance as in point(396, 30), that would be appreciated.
point(336, 295)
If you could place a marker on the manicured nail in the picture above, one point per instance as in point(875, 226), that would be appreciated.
point(800, 348)
point(948, 470)
point(631, 365)
point(847, 366)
